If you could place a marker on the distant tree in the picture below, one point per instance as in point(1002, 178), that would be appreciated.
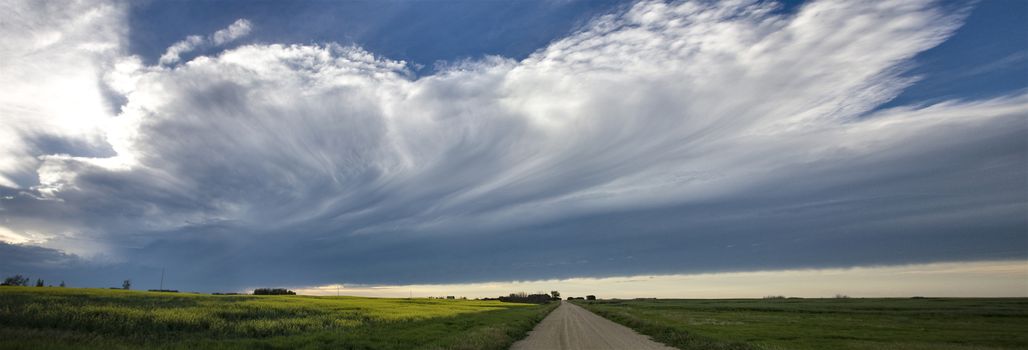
point(126, 285)
point(39, 282)
point(62, 284)
point(555, 294)
point(16, 280)
point(590, 297)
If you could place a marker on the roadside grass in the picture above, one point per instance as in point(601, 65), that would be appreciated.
point(70, 318)
point(856, 323)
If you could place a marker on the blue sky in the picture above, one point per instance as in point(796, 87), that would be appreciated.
point(986, 57)
point(308, 144)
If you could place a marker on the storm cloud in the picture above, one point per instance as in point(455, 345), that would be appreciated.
point(665, 138)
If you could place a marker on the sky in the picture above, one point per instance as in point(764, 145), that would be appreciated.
point(633, 148)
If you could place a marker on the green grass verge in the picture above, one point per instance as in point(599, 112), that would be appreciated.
point(70, 318)
point(880, 324)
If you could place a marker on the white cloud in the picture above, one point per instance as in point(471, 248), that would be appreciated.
point(50, 57)
point(175, 51)
point(238, 29)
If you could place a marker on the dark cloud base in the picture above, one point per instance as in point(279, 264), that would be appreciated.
point(894, 220)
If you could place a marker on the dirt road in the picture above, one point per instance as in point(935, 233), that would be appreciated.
point(572, 327)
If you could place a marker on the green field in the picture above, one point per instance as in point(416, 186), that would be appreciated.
point(65, 318)
point(881, 324)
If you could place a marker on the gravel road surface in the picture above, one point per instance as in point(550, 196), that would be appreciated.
point(570, 327)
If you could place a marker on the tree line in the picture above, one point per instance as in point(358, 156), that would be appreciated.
point(273, 291)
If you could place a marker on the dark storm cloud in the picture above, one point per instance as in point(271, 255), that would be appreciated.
point(669, 138)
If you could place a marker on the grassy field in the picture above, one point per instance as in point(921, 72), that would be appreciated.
point(880, 324)
point(65, 318)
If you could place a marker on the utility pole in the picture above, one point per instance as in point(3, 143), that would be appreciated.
point(162, 278)
point(337, 290)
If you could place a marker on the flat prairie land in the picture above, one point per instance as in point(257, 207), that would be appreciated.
point(854, 323)
point(71, 318)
